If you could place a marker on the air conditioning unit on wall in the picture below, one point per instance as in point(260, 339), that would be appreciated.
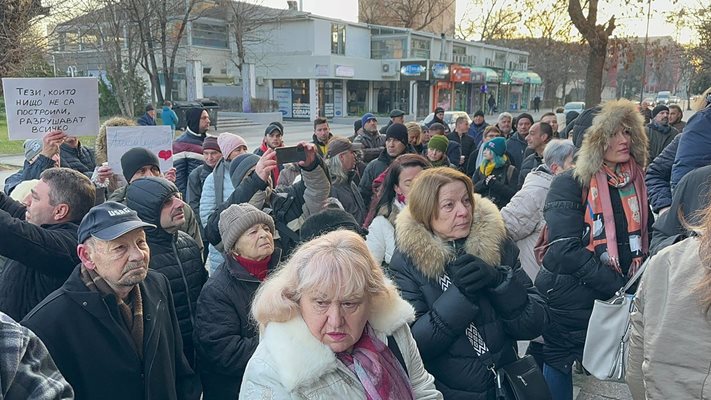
point(389, 68)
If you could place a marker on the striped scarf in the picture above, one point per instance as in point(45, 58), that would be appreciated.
point(132, 318)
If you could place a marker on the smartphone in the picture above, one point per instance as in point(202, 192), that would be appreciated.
point(290, 154)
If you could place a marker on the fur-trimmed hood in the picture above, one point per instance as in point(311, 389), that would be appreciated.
point(612, 115)
point(100, 147)
point(430, 254)
point(300, 358)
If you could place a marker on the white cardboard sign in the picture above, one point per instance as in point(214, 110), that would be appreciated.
point(158, 139)
point(35, 106)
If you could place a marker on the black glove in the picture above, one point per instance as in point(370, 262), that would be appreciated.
point(470, 274)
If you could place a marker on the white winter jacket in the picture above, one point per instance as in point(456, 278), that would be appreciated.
point(290, 363)
point(381, 234)
point(523, 217)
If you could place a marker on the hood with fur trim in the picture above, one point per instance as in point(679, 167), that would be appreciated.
point(612, 115)
point(430, 254)
point(291, 342)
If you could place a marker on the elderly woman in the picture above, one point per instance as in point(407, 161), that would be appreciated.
point(224, 336)
point(597, 216)
point(455, 264)
point(398, 180)
point(333, 327)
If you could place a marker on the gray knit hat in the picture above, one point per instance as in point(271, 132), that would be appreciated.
point(237, 218)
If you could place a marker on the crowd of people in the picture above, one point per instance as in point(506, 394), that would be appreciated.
point(399, 263)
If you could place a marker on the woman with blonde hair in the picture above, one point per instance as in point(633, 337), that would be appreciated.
point(414, 136)
point(332, 326)
point(456, 265)
point(670, 348)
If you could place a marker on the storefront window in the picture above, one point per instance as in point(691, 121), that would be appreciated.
point(420, 49)
point(292, 97)
point(357, 97)
point(330, 98)
point(423, 99)
point(392, 95)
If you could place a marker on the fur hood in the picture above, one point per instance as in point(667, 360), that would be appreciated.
point(291, 343)
point(430, 254)
point(611, 116)
point(100, 147)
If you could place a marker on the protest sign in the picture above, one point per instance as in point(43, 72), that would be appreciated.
point(158, 139)
point(35, 106)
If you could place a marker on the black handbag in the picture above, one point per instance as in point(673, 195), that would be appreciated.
point(522, 380)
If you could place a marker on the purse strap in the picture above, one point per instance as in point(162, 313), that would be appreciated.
point(634, 278)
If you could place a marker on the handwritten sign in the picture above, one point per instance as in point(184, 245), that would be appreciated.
point(35, 106)
point(158, 139)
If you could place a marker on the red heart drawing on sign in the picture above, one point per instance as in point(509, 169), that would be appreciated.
point(165, 154)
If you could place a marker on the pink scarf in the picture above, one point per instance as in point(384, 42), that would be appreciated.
point(377, 369)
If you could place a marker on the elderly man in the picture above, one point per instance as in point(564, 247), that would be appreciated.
point(476, 129)
point(341, 163)
point(659, 132)
point(149, 118)
point(516, 145)
point(111, 328)
point(396, 117)
point(504, 123)
point(675, 116)
point(174, 253)
point(373, 142)
point(38, 240)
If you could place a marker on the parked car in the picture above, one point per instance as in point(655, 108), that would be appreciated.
point(663, 97)
point(450, 117)
point(577, 106)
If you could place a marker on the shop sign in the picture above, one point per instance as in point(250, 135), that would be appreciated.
point(283, 98)
point(321, 70)
point(338, 102)
point(440, 71)
point(414, 70)
point(345, 71)
point(461, 74)
point(301, 110)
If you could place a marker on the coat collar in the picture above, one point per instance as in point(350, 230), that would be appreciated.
point(430, 254)
point(290, 343)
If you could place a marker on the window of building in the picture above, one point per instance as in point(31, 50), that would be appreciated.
point(338, 39)
point(210, 35)
point(384, 48)
point(420, 48)
point(500, 60)
point(459, 50)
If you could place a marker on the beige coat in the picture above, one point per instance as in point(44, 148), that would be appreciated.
point(670, 341)
point(523, 217)
point(290, 363)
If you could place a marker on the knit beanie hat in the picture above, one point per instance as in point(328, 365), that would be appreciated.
point(438, 142)
point(240, 166)
point(366, 117)
point(237, 219)
point(397, 132)
point(228, 142)
point(496, 145)
point(210, 143)
point(524, 115)
point(659, 109)
point(329, 220)
point(192, 117)
point(479, 113)
point(32, 148)
point(135, 159)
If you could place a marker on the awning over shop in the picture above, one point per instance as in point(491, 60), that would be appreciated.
point(483, 74)
point(523, 77)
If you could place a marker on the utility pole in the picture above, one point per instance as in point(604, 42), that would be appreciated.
point(644, 66)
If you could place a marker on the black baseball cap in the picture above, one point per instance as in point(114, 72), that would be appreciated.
point(109, 220)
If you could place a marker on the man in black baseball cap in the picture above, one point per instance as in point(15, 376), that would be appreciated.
point(127, 307)
point(396, 117)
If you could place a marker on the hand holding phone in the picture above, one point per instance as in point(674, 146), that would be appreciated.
point(290, 154)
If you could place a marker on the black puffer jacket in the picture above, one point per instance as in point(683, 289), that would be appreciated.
point(38, 258)
point(572, 277)
point(196, 180)
point(225, 336)
point(658, 177)
point(80, 159)
point(501, 189)
point(512, 311)
point(176, 255)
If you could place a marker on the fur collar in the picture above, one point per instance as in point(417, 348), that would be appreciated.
point(430, 254)
point(291, 343)
point(611, 116)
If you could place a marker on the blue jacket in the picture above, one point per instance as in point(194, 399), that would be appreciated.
point(659, 175)
point(169, 117)
point(516, 147)
point(694, 146)
point(146, 120)
point(28, 172)
point(477, 132)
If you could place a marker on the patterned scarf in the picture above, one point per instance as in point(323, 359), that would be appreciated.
point(132, 319)
point(377, 369)
point(599, 216)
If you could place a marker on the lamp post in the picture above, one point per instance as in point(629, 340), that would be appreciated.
point(644, 65)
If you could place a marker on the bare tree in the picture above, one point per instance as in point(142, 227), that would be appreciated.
point(412, 14)
point(18, 39)
point(498, 21)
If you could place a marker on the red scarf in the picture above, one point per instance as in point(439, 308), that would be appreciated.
point(377, 369)
point(599, 216)
point(258, 269)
